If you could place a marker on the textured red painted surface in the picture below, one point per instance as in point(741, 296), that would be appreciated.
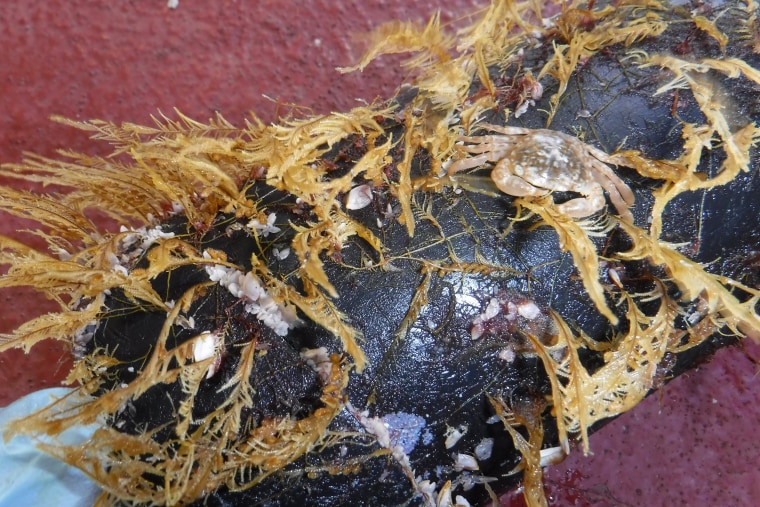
point(123, 61)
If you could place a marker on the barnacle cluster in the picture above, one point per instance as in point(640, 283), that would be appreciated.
point(181, 188)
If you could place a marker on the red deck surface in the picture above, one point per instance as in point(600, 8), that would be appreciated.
point(695, 444)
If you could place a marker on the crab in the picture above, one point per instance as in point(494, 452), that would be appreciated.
point(537, 162)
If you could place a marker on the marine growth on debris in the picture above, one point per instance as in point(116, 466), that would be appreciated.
point(275, 292)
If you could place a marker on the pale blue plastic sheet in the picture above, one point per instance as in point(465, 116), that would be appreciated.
point(31, 478)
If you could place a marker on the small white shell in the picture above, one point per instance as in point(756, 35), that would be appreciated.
point(204, 346)
point(552, 456)
point(359, 197)
point(484, 449)
point(529, 310)
point(453, 435)
point(492, 310)
point(465, 462)
point(507, 354)
point(461, 501)
point(281, 254)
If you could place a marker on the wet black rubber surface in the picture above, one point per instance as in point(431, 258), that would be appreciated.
point(426, 375)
